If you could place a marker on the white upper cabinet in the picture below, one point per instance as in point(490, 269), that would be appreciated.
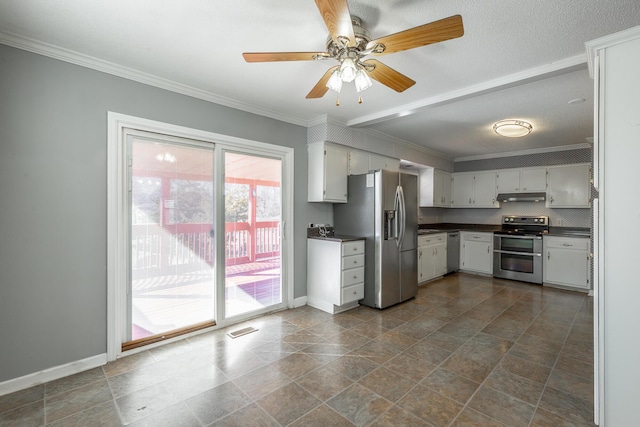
point(358, 162)
point(377, 161)
point(533, 179)
point(474, 190)
point(569, 186)
point(524, 180)
point(328, 168)
point(362, 162)
point(435, 188)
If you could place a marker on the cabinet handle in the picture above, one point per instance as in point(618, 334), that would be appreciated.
point(550, 199)
point(355, 249)
point(355, 261)
point(567, 245)
point(355, 277)
point(488, 249)
point(548, 255)
point(469, 200)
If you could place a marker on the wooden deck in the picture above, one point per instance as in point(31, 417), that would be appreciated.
point(170, 302)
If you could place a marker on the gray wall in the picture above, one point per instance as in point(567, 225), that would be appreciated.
point(53, 170)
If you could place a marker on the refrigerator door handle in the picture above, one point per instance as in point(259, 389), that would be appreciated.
point(402, 216)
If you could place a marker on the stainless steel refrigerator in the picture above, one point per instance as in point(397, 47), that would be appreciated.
point(382, 207)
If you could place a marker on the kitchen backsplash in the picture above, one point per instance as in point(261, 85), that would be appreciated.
point(557, 217)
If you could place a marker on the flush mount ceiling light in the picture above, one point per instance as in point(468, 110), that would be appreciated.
point(512, 128)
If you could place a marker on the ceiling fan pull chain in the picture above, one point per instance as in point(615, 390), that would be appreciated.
point(337, 100)
point(360, 99)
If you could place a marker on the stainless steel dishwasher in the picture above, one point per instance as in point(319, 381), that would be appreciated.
point(453, 251)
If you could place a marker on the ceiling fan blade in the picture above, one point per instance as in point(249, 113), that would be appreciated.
point(337, 18)
point(321, 88)
point(283, 56)
point(388, 76)
point(434, 32)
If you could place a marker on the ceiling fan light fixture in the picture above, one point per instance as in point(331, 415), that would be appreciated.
point(512, 128)
point(362, 80)
point(335, 82)
point(348, 70)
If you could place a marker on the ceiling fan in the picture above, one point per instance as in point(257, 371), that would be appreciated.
point(349, 43)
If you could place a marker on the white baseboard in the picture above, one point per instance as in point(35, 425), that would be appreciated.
point(299, 302)
point(51, 374)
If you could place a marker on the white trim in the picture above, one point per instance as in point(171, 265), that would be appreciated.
point(66, 55)
point(299, 302)
point(52, 374)
point(116, 213)
point(593, 46)
point(557, 68)
point(524, 152)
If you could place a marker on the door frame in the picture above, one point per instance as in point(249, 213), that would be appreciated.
point(117, 219)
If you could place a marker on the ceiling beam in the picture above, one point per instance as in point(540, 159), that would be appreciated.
point(557, 68)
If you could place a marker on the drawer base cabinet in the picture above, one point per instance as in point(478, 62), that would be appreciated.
point(567, 262)
point(335, 274)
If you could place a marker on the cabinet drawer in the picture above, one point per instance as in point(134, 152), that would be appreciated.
point(352, 293)
point(431, 239)
point(352, 261)
point(567, 243)
point(353, 276)
point(353, 248)
point(478, 237)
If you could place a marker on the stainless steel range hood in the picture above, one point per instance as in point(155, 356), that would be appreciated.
point(521, 197)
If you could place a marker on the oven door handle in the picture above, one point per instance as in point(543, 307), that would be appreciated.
point(511, 236)
point(517, 253)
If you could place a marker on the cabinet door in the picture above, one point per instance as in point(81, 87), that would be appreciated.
point(568, 186)
point(533, 179)
point(358, 162)
point(462, 190)
point(446, 188)
point(335, 174)
point(485, 190)
point(567, 267)
point(477, 256)
point(441, 188)
point(508, 181)
point(440, 259)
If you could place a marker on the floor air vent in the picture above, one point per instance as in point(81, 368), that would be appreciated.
point(240, 332)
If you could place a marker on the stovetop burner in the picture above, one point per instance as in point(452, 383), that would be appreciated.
point(524, 225)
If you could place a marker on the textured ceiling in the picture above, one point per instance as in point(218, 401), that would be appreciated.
point(517, 59)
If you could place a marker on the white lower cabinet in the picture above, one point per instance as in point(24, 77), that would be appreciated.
point(335, 274)
point(567, 262)
point(432, 256)
point(476, 254)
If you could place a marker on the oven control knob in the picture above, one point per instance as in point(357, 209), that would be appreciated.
point(535, 219)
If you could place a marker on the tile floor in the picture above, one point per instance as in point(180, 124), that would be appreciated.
point(468, 351)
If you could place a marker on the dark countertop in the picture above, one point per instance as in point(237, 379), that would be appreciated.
point(444, 227)
point(489, 228)
point(570, 231)
point(336, 238)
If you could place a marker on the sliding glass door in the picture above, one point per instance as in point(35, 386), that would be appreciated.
point(172, 247)
point(253, 220)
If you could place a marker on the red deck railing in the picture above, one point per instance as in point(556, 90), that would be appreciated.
point(157, 247)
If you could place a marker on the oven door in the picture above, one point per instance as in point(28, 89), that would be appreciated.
point(518, 258)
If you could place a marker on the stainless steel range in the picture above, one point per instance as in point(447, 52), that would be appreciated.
point(517, 248)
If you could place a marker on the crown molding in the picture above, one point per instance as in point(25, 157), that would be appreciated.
point(76, 58)
point(524, 152)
